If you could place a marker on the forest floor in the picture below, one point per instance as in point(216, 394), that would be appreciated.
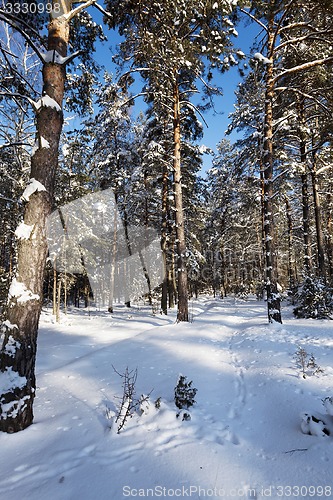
point(244, 439)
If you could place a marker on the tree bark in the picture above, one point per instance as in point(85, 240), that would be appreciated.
point(21, 327)
point(291, 261)
point(182, 314)
point(318, 221)
point(164, 240)
point(305, 192)
point(329, 239)
point(273, 297)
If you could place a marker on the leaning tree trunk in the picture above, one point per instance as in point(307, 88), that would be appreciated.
point(182, 314)
point(18, 352)
point(273, 296)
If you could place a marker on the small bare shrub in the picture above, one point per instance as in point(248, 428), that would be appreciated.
point(307, 363)
point(129, 404)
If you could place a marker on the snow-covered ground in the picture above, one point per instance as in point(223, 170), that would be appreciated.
point(244, 439)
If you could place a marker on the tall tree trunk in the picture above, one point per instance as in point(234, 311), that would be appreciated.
point(182, 314)
point(18, 351)
point(172, 282)
point(273, 297)
point(305, 191)
point(113, 255)
point(164, 239)
point(329, 239)
point(291, 262)
point(319, 230)
point(306, 224)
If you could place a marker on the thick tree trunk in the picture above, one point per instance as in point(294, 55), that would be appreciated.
point(182, 314)
point(18, 352)
point(273, 297)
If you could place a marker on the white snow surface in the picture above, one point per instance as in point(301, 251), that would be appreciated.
point(244, 439)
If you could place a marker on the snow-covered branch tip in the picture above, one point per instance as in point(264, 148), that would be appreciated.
point(103, 11)
point(77, 10)
point(303, 67)
point(304, 94)
point(132, 98)
point(190, 105)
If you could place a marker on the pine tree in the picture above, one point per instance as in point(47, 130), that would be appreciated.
point(19, 331)
point(166, 42)
point(277, 19)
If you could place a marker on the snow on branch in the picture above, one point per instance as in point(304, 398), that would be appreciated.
point(132, 98)
point(41, 143)
point(304, 94)
point(77, 10)
point(260, 57)
point(15, 95)
point(303, 67)
point(190, 105)
point(104, 12)
point(13, 144)
point(292, 41)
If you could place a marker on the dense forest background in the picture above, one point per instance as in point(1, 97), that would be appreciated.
point(259, 221)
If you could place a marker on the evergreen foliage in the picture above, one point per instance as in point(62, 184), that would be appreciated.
point(314, 299)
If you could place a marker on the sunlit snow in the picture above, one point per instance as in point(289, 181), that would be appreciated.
point(246, 433)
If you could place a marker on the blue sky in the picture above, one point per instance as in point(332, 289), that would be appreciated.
point(217, 121)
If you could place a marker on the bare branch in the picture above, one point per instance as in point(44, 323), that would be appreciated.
point(13, 22)
point(13, 144)
point(304, 94)
point(255, 19)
